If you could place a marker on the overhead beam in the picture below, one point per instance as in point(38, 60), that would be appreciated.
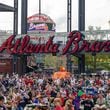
point(6, 8)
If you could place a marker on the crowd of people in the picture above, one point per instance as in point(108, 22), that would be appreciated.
point(40, 92)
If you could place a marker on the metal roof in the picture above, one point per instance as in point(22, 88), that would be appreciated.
point(6, 8)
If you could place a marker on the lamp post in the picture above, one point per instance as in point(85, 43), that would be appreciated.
point(24, 16)
point(24, 30)
point(69, 22)
point(15, 32)
point(39, 7)
point(81, 26)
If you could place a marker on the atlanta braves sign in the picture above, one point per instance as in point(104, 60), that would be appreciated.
point(75, 42)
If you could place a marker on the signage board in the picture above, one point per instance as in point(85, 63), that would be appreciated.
point(40, 23)
point(75, 44)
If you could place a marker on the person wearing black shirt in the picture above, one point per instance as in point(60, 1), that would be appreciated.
point(88, 104)
point(2, 107)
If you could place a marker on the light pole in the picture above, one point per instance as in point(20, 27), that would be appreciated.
point(81, 26)
point(39, 7)
point(15, 32)
point(24, 16)
point(24, 31)
point(69, 22)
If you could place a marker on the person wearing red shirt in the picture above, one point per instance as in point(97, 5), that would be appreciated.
point(58, 104)
point(98, 81)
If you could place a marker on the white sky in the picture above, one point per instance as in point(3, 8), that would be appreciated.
point(97, 13)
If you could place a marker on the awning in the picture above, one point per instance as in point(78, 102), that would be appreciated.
point(6, 8)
